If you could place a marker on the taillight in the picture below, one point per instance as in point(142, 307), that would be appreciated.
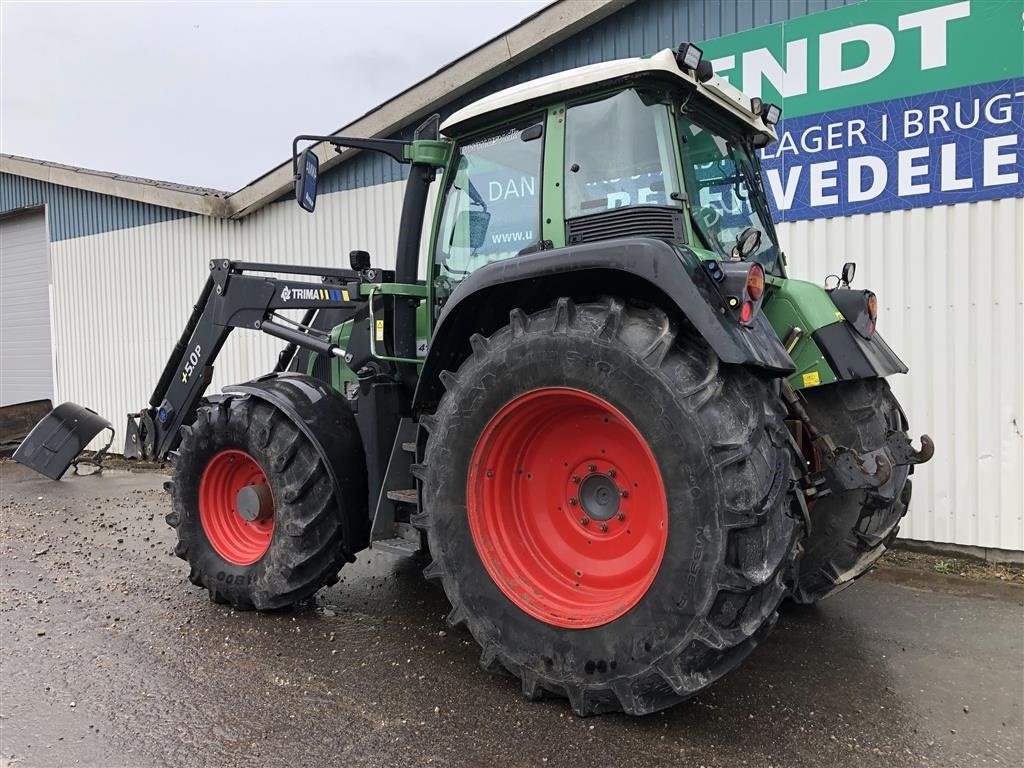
point(755, 282)
point(742, 285)
point(746, 311)
point(872, 308)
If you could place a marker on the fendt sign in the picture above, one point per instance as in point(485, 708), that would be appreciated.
point(888, 104)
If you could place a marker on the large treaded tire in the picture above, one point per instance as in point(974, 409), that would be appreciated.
point(306, 550)
point(718, 437)
point(850, 530)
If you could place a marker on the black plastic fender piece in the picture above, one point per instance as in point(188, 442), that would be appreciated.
point(851, 356)
point(649, 269)
point(326, 419)
point(56, 441)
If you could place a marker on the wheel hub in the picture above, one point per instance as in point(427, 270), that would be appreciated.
point(254, 502)
point(599, 497)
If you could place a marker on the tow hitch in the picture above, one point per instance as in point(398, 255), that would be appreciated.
point(874, 469)
point(842, 469)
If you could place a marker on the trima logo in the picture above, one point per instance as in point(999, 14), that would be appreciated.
point(313, 294)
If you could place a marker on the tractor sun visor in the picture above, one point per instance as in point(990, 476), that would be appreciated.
point(742, 285)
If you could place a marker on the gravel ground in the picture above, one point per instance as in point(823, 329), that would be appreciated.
point(108, 657)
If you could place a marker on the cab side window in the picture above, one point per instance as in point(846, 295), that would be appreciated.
point(492, 203)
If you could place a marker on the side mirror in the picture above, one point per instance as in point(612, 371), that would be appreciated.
point(475, 224)
point(747, 242)
point(849, 270)
point(306, 180)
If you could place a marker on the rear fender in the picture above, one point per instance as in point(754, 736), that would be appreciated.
point(326, 419)
point(829, 348)
point(645, 269)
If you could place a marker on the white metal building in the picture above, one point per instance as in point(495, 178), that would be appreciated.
point(100, 271)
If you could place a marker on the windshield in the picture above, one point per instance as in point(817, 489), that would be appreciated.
point(726, 193)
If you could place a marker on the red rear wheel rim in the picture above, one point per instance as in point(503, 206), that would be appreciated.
point(567, 507)
point(237, 540)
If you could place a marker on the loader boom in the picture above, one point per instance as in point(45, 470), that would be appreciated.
point(233, 299)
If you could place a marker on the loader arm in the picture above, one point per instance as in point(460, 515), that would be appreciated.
point(233, 299)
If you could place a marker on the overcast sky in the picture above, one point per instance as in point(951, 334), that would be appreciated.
point(212, 93)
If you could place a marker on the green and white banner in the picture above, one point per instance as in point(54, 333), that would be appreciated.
point(887, 104)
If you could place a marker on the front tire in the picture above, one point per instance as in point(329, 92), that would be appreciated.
point(567, 404)
point(254, 507)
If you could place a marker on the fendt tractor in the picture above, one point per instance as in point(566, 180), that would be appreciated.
point(618, 433)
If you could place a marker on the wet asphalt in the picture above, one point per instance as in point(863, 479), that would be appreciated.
point(109, 657)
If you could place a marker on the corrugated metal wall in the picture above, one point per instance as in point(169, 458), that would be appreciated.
point(949, 283)
point(122, 297)
point(949, 279)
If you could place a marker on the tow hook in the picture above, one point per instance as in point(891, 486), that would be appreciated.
point(874, 469)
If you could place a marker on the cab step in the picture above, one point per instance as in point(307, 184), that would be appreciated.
point(398, 546)
point(405, 496)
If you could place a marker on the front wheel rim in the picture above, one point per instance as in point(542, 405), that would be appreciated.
point(230, 475)
point(567, 507)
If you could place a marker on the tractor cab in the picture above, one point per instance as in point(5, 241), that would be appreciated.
point(655, 147)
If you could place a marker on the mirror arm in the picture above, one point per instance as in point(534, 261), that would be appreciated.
point(393, 147)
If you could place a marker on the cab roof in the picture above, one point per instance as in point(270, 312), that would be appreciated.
point(543, 90)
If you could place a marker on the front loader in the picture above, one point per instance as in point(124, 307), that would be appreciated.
point(616, 428)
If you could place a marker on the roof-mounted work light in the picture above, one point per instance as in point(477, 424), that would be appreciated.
point(771, 114)
point(689, 56)
point(756, 105)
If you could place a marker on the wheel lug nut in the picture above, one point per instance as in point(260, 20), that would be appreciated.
point(490, 473)
point(621, 517)
point(604, 527)
point(572, 501)
point(592, 467)
point(612, 472)
point(624, 493)
point(584, 521)
point(576, 479)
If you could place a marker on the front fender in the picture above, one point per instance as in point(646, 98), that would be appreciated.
point(327, 421)
point(641, 268)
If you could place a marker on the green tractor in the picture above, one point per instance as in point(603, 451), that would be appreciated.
point(616, 431)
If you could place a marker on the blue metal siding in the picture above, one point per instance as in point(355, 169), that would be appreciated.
point(77, 212)
point(642, 28)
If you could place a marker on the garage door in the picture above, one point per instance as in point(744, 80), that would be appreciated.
point(26, 360)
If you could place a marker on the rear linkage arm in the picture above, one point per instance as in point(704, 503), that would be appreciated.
point(847, 469)
point(231, 299)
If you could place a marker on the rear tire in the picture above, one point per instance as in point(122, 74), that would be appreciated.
point(852, 529)
point(721, 453)
point(295, 548)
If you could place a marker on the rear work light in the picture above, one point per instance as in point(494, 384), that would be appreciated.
point(742, 284)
